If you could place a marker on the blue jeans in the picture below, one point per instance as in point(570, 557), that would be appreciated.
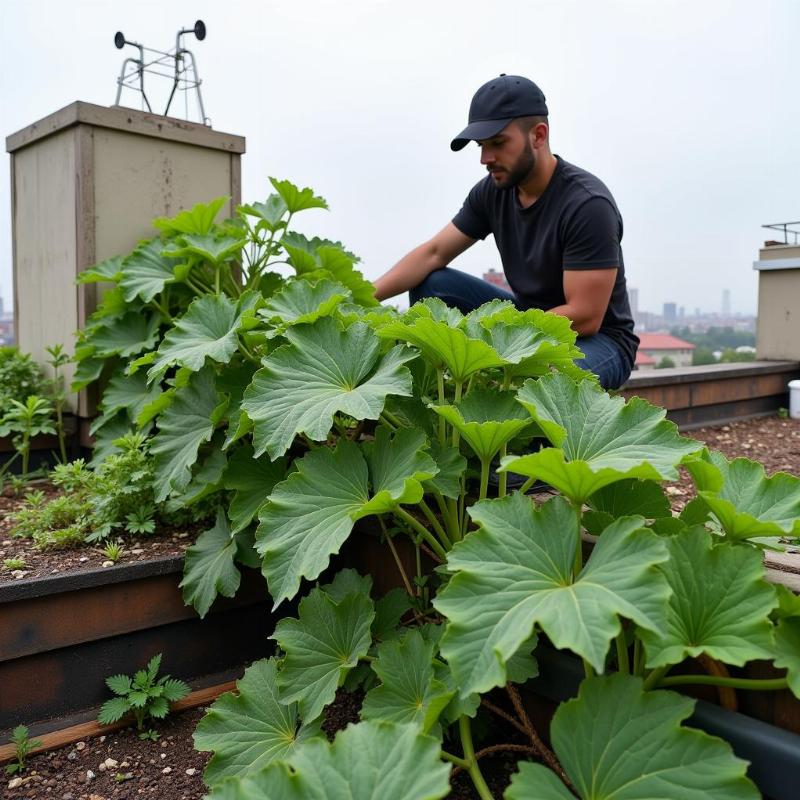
point(466, 292)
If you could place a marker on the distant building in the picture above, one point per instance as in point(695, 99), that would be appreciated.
point(644, 361)
point(726, 302)
point(670, 312)
point(660, 345)
point(633, 297)
point(496, 279)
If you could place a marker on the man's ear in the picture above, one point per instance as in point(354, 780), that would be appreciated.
point(539, 133)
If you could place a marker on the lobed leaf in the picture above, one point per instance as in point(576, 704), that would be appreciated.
point(322, 646)
point(598, 439)
point(616, 742)
point(323, 371)
point(252, 729)
point(515, 572)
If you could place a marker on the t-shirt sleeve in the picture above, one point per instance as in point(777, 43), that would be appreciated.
point(473, 218)
point(592, 236)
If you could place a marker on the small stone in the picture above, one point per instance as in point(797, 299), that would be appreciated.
point(111, 763)
point(151, 761)
point(72, 755)
point(124, 764)
point(163, 755)
point(14, 782)
point(67, 796)
point(166, 770)
point(746, 445)
point(7, 542)
point(102, 766)
point(55, 571)
point(102, 739)
point(19, 574)
point(80, 746)
point(191, 771)
point(89, 775)
point(137, 551)
point(107, 564)
point(183, 535)
point(83, 559)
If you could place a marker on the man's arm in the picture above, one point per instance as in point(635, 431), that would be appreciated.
point(587, 292)
point(415, 266)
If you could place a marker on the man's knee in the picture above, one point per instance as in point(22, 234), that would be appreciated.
point(437, 284)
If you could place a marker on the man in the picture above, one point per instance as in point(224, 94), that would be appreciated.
point(556, 226)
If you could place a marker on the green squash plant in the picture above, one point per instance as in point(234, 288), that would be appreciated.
point(302, 407)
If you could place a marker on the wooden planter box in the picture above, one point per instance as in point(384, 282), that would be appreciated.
point(61, 636)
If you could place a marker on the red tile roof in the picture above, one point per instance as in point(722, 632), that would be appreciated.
point(662, 341)
point(642, 359)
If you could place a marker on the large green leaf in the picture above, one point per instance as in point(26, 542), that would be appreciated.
point(303, 302)
point(216, 250)
point(145, 272)
point(269, 214)
point(182, 428)
point(452, 466)
point(409, 691)
point(250, 730)
point(310, 514)
point(368, 761)
point(720, 603)
point(598, 439)
point(487, 419)
point(627, 498)
point(252, 480)
point(126, 336)
point(297, 199)
point(209, 568)
point(109, 270)
point(787, 651)
point(198, 219)
point(323, 371)
point(129, 392)
point(516, 572)
point(207, 330)
point(444, 346)
point(322, 646)
point(398, 464)
point(747, 504)
point(616, 742)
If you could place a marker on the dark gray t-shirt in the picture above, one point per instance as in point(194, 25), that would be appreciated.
point(574, 224)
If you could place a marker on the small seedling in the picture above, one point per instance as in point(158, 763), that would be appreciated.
point(22, 746)
point(14, 563)
point(141, 520)
point(151, 734)
point(35, 499)
point(145, 695)
point(783, 413)
point(113, 551)
point(18, 484)
point(121, 777)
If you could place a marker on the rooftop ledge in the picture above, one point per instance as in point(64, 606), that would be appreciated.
point(715, 394)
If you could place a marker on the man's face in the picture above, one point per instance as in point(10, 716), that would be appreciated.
point(508, 156)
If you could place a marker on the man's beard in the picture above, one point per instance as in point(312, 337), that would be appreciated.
point(520, 170)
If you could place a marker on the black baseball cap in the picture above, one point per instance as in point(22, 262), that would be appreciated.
point(497, 103)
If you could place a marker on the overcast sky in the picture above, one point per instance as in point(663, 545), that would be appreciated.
point(689, 111)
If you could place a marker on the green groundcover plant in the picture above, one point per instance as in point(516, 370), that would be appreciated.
point(271, 385)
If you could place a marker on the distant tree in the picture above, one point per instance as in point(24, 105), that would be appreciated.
point(702, 355)
point(665, 362)
point(730, 355)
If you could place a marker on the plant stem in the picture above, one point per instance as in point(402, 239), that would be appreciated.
point(527, 485)
point(503, 476)
point(727, 696)
point(755, 684)
point(396, 556)
point(432, 541)
point(588, 669)
point(503, 715)
point(391, 418)
point(387, 422)
point(538, 745)
point(578, 562)
point(25, 450)
point(472, 763)
point(461, 762)
point(431, 517)
point(484, 480)
point(655, 677)
point(622, 654)
point(456, 401)
point(638, 657)
point(440, 385)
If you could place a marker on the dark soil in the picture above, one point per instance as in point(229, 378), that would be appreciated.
point(169, 769)
point(167, 541)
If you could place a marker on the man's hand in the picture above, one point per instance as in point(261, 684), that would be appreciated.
point(587, 292)
point(414, 267)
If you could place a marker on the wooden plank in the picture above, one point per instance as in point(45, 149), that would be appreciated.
point(125, 119)
point(88, 730)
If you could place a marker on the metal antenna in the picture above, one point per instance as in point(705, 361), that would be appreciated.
point(182, 61)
